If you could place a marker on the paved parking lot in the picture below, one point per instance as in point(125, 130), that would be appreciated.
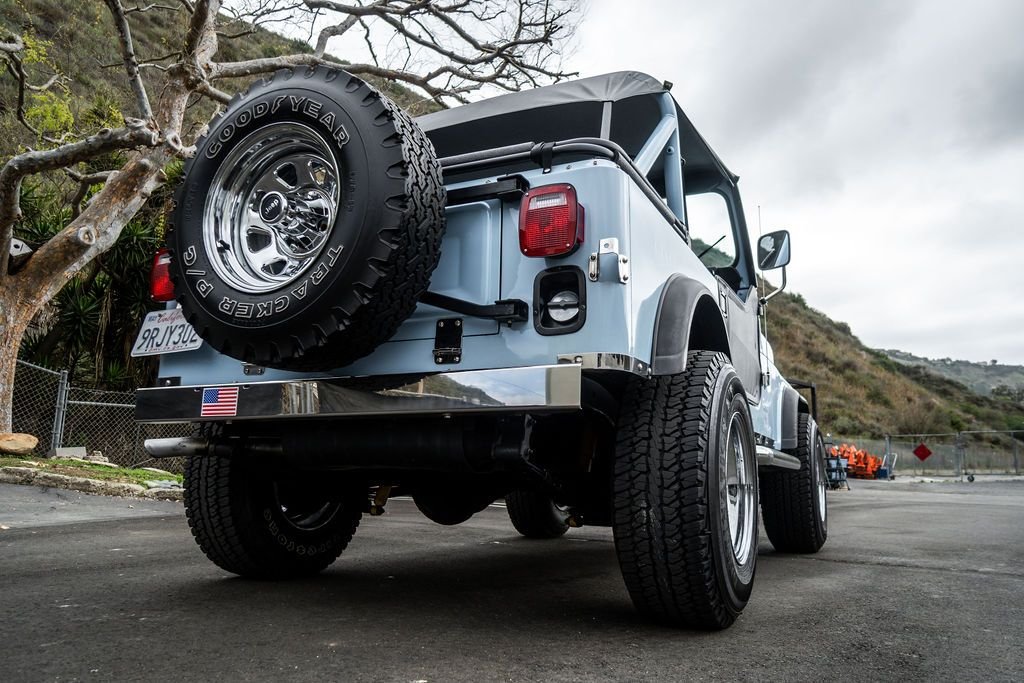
point(917, 581)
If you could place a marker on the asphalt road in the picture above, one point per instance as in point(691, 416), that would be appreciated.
point(917, 581)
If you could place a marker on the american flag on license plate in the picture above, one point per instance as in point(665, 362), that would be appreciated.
point(219, 402)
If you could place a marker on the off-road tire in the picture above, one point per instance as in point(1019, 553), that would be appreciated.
point(790, 505)
point(236, 517)
point(535, 515)
point(669, 519)
point(383, 245)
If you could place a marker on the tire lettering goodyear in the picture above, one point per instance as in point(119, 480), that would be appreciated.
point(299, 105)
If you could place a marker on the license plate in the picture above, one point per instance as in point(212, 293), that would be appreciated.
point(165, 332)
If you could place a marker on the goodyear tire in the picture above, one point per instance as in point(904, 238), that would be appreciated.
point(308, 223)
point(256, 526)
point(794, 502)
point(685, 495)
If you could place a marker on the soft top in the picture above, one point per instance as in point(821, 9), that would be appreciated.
point(573, 109)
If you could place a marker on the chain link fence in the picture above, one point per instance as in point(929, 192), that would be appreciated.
point(61, 415)
point(36, 390)
point(951, 454)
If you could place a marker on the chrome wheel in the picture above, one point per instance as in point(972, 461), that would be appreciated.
point(819, 465)
point(304, 507)
point(271, 207)
point(741, 501)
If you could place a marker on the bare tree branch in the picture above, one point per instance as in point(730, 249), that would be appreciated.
point(12, 44)
point(447, 50)
point(28, 163)
point(85, 181)
point(213, 93)
point(131, 63)
point(89, 233)
point(200, 33)
point(153, 5)
point(333, 32)
point(16, 67)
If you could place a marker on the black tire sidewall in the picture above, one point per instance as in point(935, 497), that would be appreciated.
point(365, 186)
point(735, 581)
point(270, 529)
point(535, 514)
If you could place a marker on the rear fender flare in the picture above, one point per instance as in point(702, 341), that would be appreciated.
point(793, 404)
point(688, 317)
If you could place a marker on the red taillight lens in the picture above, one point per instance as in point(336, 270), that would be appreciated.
point(160, 286)
point(550, 221)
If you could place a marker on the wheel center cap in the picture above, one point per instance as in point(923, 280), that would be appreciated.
point(272, 207)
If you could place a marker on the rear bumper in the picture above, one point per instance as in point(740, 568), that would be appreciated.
point(535, 389)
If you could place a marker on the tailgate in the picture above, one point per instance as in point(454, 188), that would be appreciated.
point(469, 269)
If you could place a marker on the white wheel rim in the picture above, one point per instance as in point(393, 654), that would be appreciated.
point(739, 492)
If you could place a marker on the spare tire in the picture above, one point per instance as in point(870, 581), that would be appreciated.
point(308, 223)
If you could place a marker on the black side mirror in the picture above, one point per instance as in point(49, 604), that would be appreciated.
point(773, 250)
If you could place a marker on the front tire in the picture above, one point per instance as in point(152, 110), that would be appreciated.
point(685, 495)
point(794, 502)
point(258, 526)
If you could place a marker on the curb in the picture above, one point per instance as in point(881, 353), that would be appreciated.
point(33, 477)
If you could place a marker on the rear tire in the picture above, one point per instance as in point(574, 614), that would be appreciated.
point(685, 495)
point(256, 526)
point(794, 502)
point(535, 515)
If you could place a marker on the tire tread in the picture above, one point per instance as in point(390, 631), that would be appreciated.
point(788, 504)
point(225, 534)
point(661, 468)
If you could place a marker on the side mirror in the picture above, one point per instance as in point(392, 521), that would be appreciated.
point(773, 250)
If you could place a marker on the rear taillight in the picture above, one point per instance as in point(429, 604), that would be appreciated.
point(160, 286)
point(550, 221)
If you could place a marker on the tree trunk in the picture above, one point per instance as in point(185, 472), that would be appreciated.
point(15, 315)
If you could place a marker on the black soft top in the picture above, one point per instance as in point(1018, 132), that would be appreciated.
point(574, 109)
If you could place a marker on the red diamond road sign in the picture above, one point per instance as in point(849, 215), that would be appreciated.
point(922, 452)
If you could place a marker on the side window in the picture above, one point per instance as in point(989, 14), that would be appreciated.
point(710, 229)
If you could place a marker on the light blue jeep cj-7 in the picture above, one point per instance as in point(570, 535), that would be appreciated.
point(548, 296)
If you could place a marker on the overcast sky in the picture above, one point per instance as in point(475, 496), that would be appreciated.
point(886, 135)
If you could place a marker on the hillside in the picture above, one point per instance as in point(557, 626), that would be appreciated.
point(863, 392)
point(981, 378)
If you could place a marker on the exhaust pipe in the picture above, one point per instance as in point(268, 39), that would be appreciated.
point(177, 447)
